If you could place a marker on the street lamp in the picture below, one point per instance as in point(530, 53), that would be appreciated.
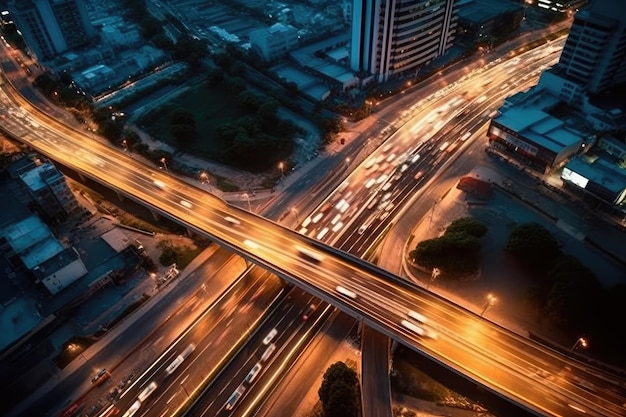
point(581, 341)
point(433, 276)
point(247, 197)
point(203, 177)
point(125, 145)
point(491, 301)
point(281, 166)
point(164, 164)
point(295, 213)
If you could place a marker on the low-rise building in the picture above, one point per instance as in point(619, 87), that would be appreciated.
point(49, 189)
point(529, 132)
point(597, 177)
point(60, 271)
point(274, 42)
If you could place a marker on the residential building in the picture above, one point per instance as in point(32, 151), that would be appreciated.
point(593, 60)
point(51, 27)
point(543, 141)
point(598, 178)
point(484, 21)
point(275, 41)
point(48, 188)
point(397, 37)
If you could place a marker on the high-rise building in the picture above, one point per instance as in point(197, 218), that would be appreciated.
point(51, 27)
point(594, 55)
point(398, 37)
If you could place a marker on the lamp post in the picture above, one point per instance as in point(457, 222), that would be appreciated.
point(203, 177)
point(435, 274)
point(491, 301)
point(247, 197)
point(281, 166)
point(295, 213)
point(164, 164)
point(125, 145)
point(581, 341)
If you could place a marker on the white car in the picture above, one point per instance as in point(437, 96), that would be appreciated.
point(133, 409)
point(147, 391)
point(253, 373)
point(270, 336)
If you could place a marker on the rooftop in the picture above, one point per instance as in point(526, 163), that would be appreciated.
point(540, 127)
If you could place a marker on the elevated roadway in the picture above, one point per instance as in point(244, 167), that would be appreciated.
point(502, 362)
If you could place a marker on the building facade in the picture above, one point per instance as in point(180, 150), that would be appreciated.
point(49, 189)
point(594, 55)
point(398, 37)
point(274, 42)
point(51, 27)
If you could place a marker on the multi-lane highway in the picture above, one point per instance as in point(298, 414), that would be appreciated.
point(501, 361)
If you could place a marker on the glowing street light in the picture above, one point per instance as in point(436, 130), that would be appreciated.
point(295, 213)
point(204, 177)
point(491, 301)
point(281, 166)
point(581, 341)
point(164, 164)
point(247, 197)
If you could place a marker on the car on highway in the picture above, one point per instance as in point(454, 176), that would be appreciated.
point(147, 391)
point(270, 336)
point(133, 409)
point(268, 352)
point(234, 397)
point(253, 373)
point(100, 377)
point(232, 220)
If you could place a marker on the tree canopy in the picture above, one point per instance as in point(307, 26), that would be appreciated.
point(457, 251)
point(533, 246)
point(339, 391)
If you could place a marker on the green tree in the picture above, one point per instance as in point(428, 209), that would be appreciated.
point(468, 225)
point(248, 100)
point(533, 246)
point(343, 401)
point(339, 386)
point(182, 133)
point(181, 116)
point(575, 295)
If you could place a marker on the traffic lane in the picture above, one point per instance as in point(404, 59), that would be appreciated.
point(223, 329)
point(283, 395)
point(283, 361)
point(287, 321)
point(375, 383)
point(135, 348)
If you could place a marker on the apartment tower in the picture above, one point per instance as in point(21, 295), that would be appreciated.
point(594, 55)
point(51, 27)
point(398, 37)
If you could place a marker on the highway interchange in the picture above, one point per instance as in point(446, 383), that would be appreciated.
point(352, 219)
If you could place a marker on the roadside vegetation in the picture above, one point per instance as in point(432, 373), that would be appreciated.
point(407, 378)
point(456, 252)
point(567, 295)
point(340, 394)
